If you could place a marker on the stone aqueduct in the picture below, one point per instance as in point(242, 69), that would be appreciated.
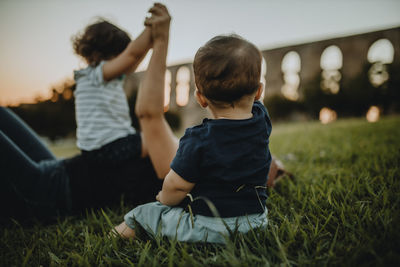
point(293, 65)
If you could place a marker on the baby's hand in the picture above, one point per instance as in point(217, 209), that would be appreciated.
point(159, 22)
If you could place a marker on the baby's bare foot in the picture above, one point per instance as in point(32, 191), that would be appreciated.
point(123, 231)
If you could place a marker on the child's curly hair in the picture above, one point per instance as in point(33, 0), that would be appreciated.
point(100, 41)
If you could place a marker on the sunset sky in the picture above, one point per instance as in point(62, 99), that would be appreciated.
point(36, 52)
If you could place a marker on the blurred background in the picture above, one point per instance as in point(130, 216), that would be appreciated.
point(322, 60)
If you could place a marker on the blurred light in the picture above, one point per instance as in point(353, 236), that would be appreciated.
point(327, 115)
point(166, 108)
point(67, 94)
point(291, 62)
point(380, 54)
point(291, 66)
point(331, 63)
point(54, 97)
point(292, 78)
point(331, 58)
point(167, 89)
point(378, 74)
point(182, 94)
point(182, 86)
point(263, 77)
point(373, 114)
point(330, 81)
point(381, 51)
point(290, 91)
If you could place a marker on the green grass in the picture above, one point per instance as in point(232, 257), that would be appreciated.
point(64, 150)
point(341, 209)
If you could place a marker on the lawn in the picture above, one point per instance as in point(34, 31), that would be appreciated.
point(342, 208)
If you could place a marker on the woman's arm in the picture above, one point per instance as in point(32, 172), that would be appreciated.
point(130, 58)
point(174, 189)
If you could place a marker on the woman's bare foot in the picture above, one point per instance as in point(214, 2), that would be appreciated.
point(276, 172)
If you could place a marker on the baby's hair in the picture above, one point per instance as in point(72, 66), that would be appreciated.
point(227, 68)
point(100, 41)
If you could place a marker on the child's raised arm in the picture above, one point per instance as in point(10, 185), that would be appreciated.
point(130, 58)
point(174, 189)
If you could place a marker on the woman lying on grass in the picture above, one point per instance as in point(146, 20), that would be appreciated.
point(34, 184)
point(224, 162)
point(114, 159)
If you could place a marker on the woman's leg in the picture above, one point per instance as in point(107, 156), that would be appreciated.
point(18, 173)
point(158, 140)
point(159, 143)
point(23, 136)
point(15, 163)
point(29, 189)
point(33, 182)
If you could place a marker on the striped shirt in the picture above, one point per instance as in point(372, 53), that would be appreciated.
point(101, 109)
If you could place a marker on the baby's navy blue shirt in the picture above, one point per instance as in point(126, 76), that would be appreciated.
point(228, 160)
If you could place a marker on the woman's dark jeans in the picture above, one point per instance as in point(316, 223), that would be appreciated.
point(33, 182)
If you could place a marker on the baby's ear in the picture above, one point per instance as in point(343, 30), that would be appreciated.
point(259, 92)
point(201, 99)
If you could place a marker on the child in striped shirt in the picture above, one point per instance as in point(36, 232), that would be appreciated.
point(104, 131)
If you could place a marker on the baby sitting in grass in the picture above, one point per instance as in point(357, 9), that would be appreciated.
point(218, 176)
